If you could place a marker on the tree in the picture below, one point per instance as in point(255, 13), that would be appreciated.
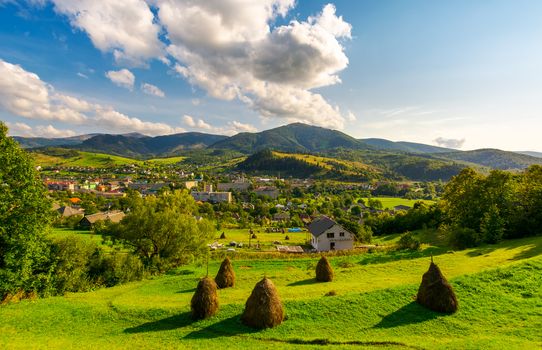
point(25, 214)
point(492, 226)
point(163, 230)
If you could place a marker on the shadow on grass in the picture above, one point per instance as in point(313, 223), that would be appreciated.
point(226, 328)
point(380, 258)
point(409, 314)
point(190, 290)
point(303, 282)
point(166, 324)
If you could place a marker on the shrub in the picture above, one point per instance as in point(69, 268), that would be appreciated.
point(408, 241)
point(204, 303)
point(324, 272)
point(435, 292)
point(462, 237)
point(226, 275)
point(263, 308)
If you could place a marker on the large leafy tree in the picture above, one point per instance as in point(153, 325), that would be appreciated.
point(164, 231)
point(25, 213)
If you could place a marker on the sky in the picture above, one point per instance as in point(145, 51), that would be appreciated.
point(464, 74)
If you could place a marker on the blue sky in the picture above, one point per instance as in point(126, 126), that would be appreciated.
point(462, 73)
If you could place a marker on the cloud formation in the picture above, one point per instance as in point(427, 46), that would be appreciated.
point(22, 129)
point(125, 28)
point(229, 48)
point(24, 94)
point(449, 143)
point(153, 90)
point(123, 78)
point(231, 128)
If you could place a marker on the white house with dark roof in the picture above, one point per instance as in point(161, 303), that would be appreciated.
point(329, 235)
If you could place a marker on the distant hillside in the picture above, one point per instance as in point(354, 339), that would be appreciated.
point(531, 153)
point(295, 137)
point(145, 146)
point(409, 147)
point(494, 158)
point(35, 142)
point(304, 165)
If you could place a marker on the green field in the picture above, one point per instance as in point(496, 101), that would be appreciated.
point(390, 202)
point(265, 239)
point(97, 160)
point(499, 288)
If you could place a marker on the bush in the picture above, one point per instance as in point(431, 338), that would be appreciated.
point(408, 241)
point(462, 237)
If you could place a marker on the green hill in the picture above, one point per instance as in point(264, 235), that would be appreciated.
point(494, 158)
point(498, 288)
point(65, 158)
point(410, 147)
point(293, 138)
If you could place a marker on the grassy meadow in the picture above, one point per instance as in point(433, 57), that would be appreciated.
point(98, 160)
point(390, 202)
point(499, 288)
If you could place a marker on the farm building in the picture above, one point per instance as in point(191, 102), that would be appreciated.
point(329, 235)
point(89, 220)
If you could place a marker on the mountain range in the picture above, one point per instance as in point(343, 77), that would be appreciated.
point(292, 138)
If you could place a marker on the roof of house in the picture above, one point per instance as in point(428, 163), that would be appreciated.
point(320, 225)
point(401, 207)
point(69, 211)
point(114, 216)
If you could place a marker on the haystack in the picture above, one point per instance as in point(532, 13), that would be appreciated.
point(435, 292)
point(263, 308)
point(205, 300)
point(324, 272)
point(254, 236)
point(223, 236)
point(226, 276)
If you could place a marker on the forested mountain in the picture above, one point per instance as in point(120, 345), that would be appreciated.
point(494, 158)
point(145, 146)
point(295, 137)
point(409, 147)
point(412, 160)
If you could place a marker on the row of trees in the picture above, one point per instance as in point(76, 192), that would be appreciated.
point(160, 232)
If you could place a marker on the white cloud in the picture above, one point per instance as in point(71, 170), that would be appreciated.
point(125, 28)
point(150, 89)
point(79, 74)
point(449, 143)
point(228, 48)
point(24, 94)
point(22, 129)
point(242, 127)
point(231, 128)
point(120, 122)
point(123, 78)
point(351, 117)
point(196, 123)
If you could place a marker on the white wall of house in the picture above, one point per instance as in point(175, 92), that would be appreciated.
point(336, 234)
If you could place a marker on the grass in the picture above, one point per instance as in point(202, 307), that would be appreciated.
point(499, 288)
point(390, 202)
point(59, 233)
point(98, 160)
point(265, 239)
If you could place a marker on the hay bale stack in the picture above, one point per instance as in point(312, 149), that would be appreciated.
point(263, 308)
point(226, 276)
point(324, 272)
point(254, 236)
point(205, 300)
point(223, 236)
point(435, 293)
